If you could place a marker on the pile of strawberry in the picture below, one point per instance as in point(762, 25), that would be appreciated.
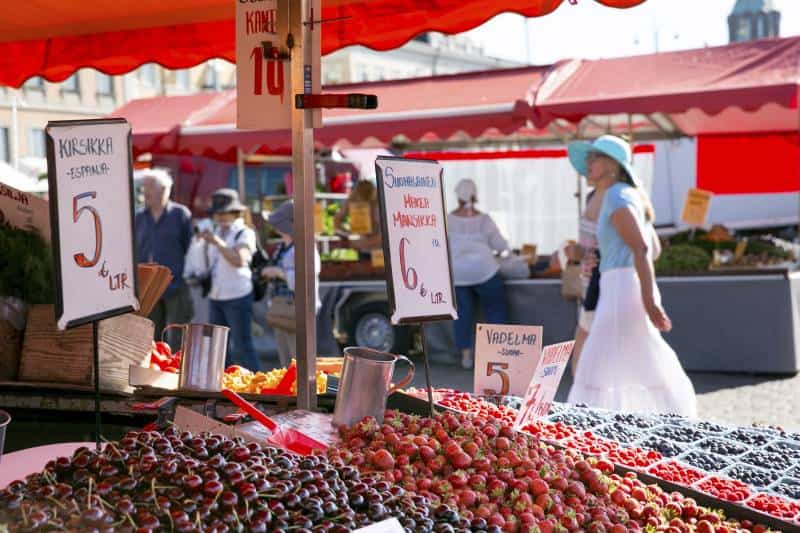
point(162, 358)
point(494, 476)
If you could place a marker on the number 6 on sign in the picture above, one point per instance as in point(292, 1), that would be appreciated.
point(497, 368)
point(80, 258)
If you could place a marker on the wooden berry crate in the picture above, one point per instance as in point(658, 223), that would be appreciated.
point(49, 355)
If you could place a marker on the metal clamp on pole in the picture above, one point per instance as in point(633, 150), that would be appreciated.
point(352, 101)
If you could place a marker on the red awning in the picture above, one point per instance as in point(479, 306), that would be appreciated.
point(53, 38)
point(435, 108)
point(698, 88)
point(156, 121)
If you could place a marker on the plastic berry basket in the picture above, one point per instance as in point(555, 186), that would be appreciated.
point(684, 434)
point(617, 431)
point(675, 471)
point(789, 448)
point(705, 461)
point(752, 437)
point(666, 447)
point(722, 446)
point(787, 487)
point(774, 505)
point(759, 457)
point(723, 488)
point(757, 478)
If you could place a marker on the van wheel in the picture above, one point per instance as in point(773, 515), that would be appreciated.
point(371, 328)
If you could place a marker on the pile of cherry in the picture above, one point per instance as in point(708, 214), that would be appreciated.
point(175, 481)
point(758, 467)
point(481, 475)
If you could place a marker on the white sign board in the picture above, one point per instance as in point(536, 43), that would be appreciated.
point(544, 385)
point(386, 526)
point(415, 244)
point(91, 216)
point(505, 358)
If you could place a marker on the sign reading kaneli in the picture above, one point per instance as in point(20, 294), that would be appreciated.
point(262, 84)
point(415, 245)
point(505, 358)
point(91, 216)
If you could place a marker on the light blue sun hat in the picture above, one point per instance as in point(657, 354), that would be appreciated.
point(609, 145)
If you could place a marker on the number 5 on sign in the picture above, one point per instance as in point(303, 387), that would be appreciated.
point(80, 258)
point(505, 357)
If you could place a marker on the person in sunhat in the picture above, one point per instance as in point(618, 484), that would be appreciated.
point(626, 365)
point(230, 248)
point(281, 275)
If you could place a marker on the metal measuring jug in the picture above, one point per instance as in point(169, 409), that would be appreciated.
point(204, 348)
point(366, 383)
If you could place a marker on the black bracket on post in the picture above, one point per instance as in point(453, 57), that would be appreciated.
point(352, 101)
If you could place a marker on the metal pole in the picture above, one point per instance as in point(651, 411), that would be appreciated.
point(240, 173)
point(427, 370)
point(303, 175)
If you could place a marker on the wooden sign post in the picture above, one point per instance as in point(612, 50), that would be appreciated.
point(415, 245)
point(90, 174)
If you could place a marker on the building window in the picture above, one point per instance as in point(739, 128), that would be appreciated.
point(210, 77)
point(147, 73)
point(71, 85)
point(5, 151)
point(105, 84)
point(182, 79)
point(38, 146)
point(743, 32)
point(35, 84)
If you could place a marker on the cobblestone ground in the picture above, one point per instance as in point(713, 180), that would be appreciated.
point(730, 398)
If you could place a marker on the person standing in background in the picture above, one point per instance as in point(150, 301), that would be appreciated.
point(230, 300)
point(163, 234)
point(474, 240)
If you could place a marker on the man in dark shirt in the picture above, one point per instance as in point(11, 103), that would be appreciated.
point(163, 235)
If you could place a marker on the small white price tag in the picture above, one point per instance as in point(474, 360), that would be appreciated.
point(505, 358)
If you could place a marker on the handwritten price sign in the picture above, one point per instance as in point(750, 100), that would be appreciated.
point(543, 386)
point(505, 358)
point(415, 240)
point(89, 172)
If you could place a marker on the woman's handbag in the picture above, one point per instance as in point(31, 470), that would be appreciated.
point(571, 284)
point(281, 313)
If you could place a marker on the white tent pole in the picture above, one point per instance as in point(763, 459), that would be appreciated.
point(240, 159)
point(303, 176)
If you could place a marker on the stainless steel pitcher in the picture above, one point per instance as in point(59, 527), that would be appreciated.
point(365, 384)
point(204, 348)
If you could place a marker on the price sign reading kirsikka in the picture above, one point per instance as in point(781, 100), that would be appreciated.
point(415, 244)
point(91, 215)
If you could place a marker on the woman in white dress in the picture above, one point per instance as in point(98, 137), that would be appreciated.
point(626, 364)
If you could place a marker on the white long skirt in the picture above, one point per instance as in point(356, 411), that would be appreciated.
point(626, 365)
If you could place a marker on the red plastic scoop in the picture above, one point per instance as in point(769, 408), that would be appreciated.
point(287, 438)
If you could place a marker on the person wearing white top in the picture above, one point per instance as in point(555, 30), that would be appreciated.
point(231, 246)
point(474, 240)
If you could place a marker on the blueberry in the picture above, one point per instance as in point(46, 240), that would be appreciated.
point(639, 421)
point(792, 436)
point(788, 487)
point(753, 438)
point(618, 432)
point(772, 459)
point(723, 447)
point(679, 433)
point(705, 461)
point(665, 447)
point(752, 476)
